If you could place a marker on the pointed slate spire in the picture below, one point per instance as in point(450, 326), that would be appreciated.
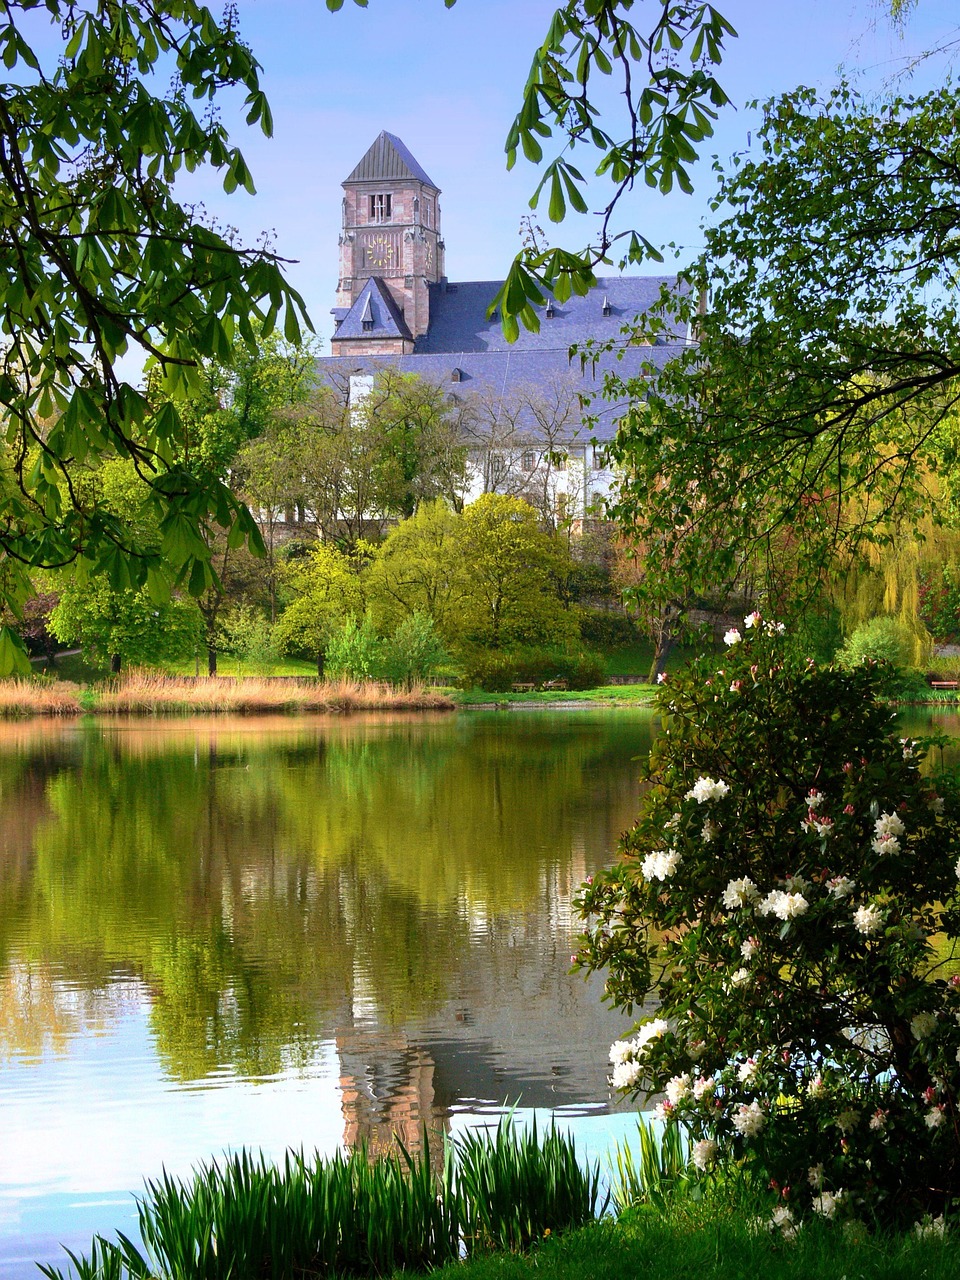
point(389, 158)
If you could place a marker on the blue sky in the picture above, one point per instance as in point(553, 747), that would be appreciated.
point(448, 83)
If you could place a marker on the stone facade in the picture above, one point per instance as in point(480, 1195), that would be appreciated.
point(391, 232)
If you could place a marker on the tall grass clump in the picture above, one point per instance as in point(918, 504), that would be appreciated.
point(245, 1219)
point(660, 1170)
point(515, 1188)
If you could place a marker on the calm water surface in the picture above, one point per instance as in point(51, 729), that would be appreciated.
point(283, 933)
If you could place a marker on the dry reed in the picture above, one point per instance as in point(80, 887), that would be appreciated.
point(38, 697)
point(146, 693)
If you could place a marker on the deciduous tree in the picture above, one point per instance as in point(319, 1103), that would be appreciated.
point(99, 259)
point(814, 406)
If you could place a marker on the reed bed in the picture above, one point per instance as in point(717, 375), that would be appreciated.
point(149, 693)
point(245, 1219)
point(38, 697)
point(145, 693)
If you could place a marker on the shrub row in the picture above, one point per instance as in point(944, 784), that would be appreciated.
point(497, 671)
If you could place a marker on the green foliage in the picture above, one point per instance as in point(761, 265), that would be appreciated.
point(607, 629)
point(414, 570)
point(247, 635)
point(516, 1187)
point(356, 651)
point(326, 591)
point(496, 670)
point(661, 1169)
point(815, 407)
point(127, 625)
point(670, 99)
point(509, 573)
point(348, 1215)
point(789, 896)
point(939, 602)
point(883, 640)
point(414, 652)
point(102, 261)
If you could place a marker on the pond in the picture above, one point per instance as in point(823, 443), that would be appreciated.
point(286, 932)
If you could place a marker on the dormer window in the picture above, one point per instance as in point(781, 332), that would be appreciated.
point(606, 307)
point(381, 207)
point(366, 325)
point(455, 375)
point(550, 313)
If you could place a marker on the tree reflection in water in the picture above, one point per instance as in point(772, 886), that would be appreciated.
point(399, 886)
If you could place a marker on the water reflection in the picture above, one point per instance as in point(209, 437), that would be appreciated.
point(282, 931)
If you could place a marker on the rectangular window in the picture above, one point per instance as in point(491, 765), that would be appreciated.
point(528, 460)
point(381, 207)
point(498, 468)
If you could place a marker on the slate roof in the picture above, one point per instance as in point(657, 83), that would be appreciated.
point(458, 315)
point(374, 307)
point(464, 352)
point(388, 158)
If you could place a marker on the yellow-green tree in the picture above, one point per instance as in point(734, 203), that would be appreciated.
point(509, 574)
point(326, 591)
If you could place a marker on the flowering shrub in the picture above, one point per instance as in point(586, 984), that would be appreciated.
point(789, 898)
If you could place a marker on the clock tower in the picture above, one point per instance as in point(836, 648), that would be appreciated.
point(390, 252)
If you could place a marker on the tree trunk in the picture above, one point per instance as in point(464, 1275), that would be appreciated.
point(320, 657)
point(115, 661)
point(211, 660)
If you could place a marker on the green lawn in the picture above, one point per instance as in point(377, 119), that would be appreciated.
point(607, 695)
point(705, 1246)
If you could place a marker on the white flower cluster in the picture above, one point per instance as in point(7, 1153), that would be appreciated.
point(752, 620)
point(867, 920)
point(826, 1203)
point(706, 789)
point(749, 1119)
point(661, 864)
point(747, 1071)
point(931, 1228)
point(785, 906)
point(923, 1025)
point(740, 893)
point(822, 826)
point(732, 636)
point(678, 1088)
point(887, 830)
point(841, 886)
point(783, 1222)
point(626, 1054)
point(704, 1153)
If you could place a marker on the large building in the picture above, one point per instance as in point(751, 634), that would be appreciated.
point(397, 308)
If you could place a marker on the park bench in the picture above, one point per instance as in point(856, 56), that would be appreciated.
point(523, 686)
point(555, 684)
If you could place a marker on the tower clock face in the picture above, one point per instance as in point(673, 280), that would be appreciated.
point(380, 251)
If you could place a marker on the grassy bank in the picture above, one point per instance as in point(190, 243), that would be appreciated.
point(621, 695)
point(142, 693)
point(707, 1245)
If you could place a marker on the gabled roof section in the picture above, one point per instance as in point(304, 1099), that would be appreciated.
point(374, 314)
point(388, 158)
